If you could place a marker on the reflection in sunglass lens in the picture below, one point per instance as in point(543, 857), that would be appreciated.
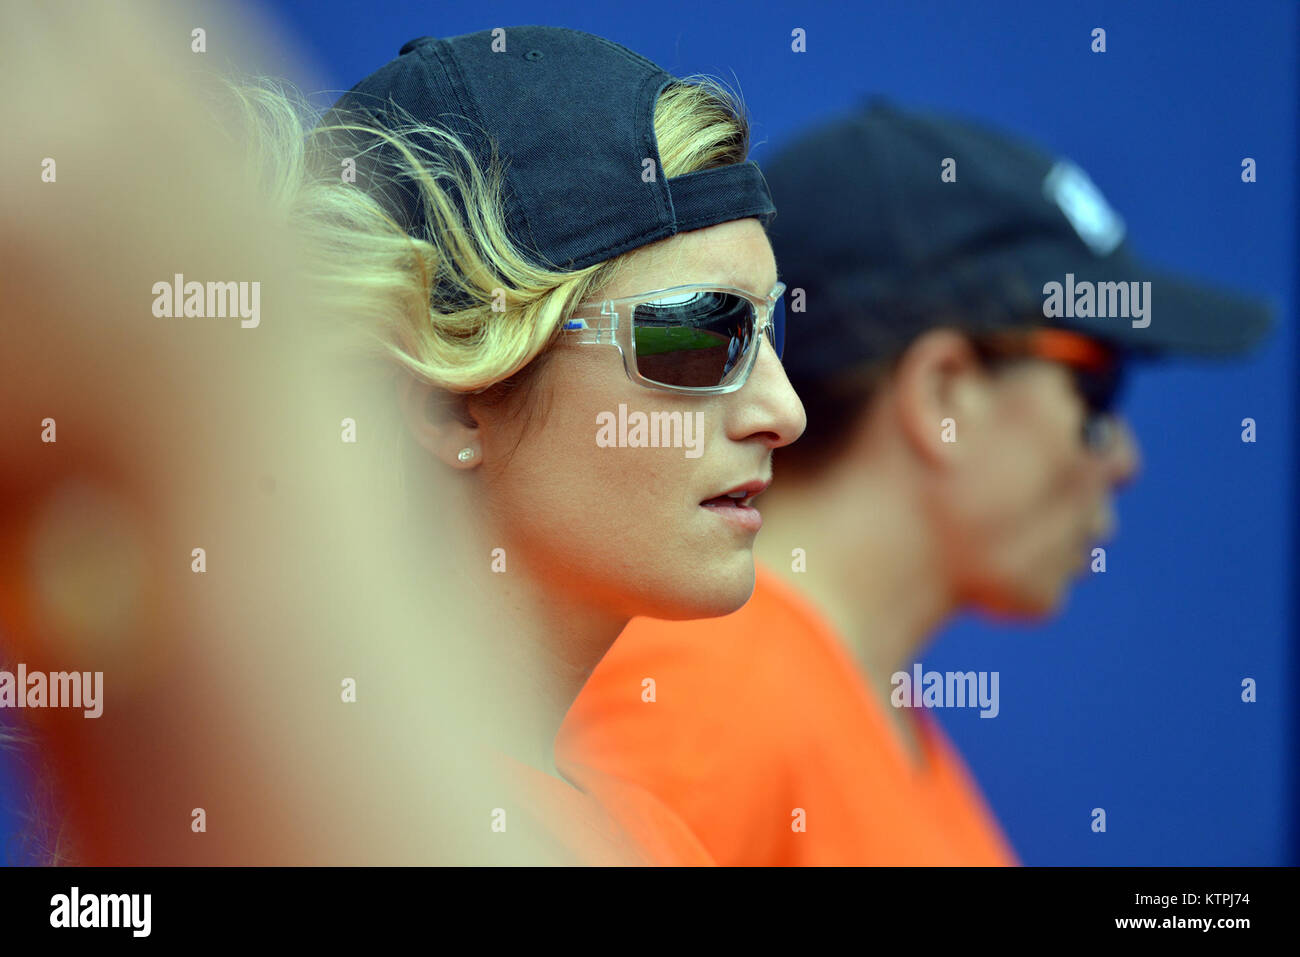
point(696, 339)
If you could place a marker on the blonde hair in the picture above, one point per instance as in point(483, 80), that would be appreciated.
point(433, 303)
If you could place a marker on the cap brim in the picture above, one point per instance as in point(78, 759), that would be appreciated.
point(1181, 316)
point(1187, 318)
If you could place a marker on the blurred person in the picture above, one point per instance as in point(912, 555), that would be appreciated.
point(962, 451)
point(544, 230)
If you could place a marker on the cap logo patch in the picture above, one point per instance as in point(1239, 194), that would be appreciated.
point(1097, 224)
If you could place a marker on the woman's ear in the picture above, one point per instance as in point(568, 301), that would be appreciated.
point(440, 421)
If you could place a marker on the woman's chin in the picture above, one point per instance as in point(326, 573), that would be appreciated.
point(711, 594)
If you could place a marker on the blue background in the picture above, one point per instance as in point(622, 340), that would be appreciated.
point(1130, 701)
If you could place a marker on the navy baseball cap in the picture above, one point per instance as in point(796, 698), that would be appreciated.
point(571, 117)
point(886, 246)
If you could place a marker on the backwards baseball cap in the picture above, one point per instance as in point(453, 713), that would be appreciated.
point(893, 222)
point(571, 116)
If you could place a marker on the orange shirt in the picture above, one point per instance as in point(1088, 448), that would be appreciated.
point(767, 741)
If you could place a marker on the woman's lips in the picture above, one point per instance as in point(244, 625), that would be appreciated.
point(748, 492)
point(744, 517)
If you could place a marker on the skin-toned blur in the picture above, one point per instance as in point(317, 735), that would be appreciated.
point(222, 690)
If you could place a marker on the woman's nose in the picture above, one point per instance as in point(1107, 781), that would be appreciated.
point(770, 403)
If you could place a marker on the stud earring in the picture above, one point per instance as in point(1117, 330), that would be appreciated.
point(465, 454)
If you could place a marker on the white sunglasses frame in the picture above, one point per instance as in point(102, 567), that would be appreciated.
point(608, 330)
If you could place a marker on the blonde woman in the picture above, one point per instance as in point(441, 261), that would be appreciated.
point(559, 252)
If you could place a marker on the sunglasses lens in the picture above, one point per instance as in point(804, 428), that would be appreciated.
point(693, 340)
point(1100, 389)
point(1097, 431)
